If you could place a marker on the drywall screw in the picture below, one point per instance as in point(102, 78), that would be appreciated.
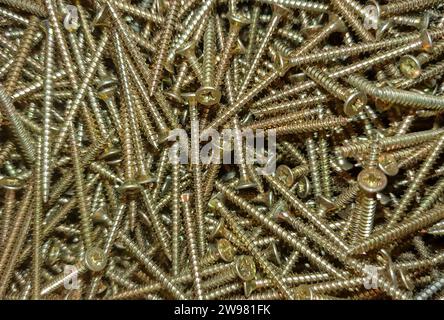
point(208, 94)
point(11, 185)
point(180, 40)
point(430, 290)
point(175, 93)
point(188, 52)
point(236, 23)
point(251, 286)
point(290, 176)
point(411, 66)
point(159, 228)
point(314, 166)
point(402, 7)
point(27, 6)
point(222, 250)
point(308, 6)
point(281, 119)
point(192, 246)
point(245, 181)
point(252, 34)
point(80, 94)
point(86, 223)
point(398, 231)
point(167, 34)
point(47, 105)
point(197, 177)
point(353, 100)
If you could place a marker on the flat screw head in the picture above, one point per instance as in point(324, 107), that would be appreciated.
point(208, 95)
point(354, 103)
point(388, 164)
point(249, 287)
point(303, 292)
point(95, 259)
point(130, 187)
point(185, 197)
point(427, 41)
point(285, 174)
point(245, 183)
point(410, 67)
point(225, 250)
point(372, 180)
point(245, 268)
point(10, 183)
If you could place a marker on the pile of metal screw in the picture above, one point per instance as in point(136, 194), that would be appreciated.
point(92, 207)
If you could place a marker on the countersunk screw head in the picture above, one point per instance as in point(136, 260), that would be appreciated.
point(11, 183)
point(410, 67)
point(103, 18)
point(95, 259)
point(111, 155)
point(388, 164)
point(341, 27)
point(303, 188)
point(303, 292)
point(226, 250)
point(285, 174)
point(427, 41)
point(245, 267)
point(208, 95)
point(249, 287)
point(106, 88)
point(372, 180)
point(185, 197)
point(245, 183)
point(130, 187)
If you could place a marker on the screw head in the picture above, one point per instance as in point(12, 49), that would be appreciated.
point(11, 183)
point(303, 292)
point(372, 180)
point(388, 164)
point(281, 11)
point(285, 174)
point(130, 187)
point(340, 25)
point(303, 188)
point(410, 67)
point(245, 267)
point(425, 21)
point(103, 17)
point(427, 41)
point(185, 197)
point(95, 259)
point(106, 88)
point(236, 21)
point(325, 203)
point(218, 230)
point(187, 49)
point(208, 95)
point(249, 287)
point(245, 183)
point(225, 250)
point(111, 155)
point(351, 105)
point(174, 96)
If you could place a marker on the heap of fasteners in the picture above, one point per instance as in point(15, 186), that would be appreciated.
point(94, 207)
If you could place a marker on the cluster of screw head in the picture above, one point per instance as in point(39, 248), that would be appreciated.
point(93, 93)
